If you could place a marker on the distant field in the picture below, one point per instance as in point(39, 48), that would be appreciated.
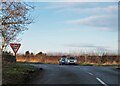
point(83, 60)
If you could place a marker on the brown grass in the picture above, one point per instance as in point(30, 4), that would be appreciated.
point(105, 60)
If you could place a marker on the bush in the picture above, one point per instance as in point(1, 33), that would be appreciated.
point(8, 58)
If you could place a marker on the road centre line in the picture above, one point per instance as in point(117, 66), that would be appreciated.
point(103, 83)
point(90, 73)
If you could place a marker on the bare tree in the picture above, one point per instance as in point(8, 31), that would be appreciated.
point(14, 19)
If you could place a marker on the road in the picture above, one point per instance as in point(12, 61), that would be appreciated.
point(75, 74)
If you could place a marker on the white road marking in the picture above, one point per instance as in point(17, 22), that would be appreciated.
point(102, 82)
point(90, 73)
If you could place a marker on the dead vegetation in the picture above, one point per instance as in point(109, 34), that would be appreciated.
point(104, 60)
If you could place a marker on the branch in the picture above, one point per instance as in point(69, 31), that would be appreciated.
point(6, 23)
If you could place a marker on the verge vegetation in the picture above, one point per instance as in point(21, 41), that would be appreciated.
point(81, 59)
point(18, 73)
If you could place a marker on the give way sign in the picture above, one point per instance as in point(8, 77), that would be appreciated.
point(15, 47)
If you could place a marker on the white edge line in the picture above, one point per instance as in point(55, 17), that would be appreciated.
point(102, 82)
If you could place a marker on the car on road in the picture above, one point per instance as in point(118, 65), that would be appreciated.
point(71, 60)
point(62, 60)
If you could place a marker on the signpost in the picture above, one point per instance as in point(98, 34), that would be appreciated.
point(15, 47)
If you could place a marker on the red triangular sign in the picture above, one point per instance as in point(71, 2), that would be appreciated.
point(15, 47)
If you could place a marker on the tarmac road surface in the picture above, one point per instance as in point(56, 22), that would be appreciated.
point(76, 74)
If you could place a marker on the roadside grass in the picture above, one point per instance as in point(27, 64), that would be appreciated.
point(98, 64)
point(18, 73)
point(79, 63)
point(116, 66)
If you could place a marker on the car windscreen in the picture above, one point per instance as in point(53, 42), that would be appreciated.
point(62, 58)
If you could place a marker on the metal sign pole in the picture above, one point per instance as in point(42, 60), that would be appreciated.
point(15, 57)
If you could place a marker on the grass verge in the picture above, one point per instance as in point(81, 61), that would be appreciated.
point(95, 64)
point(18, 73)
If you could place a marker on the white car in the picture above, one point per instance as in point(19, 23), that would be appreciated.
point(71, 60)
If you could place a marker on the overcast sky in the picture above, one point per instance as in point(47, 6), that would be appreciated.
point(72, 26)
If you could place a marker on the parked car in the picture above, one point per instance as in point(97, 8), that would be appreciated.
point(62, 60)
point(71, 60)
